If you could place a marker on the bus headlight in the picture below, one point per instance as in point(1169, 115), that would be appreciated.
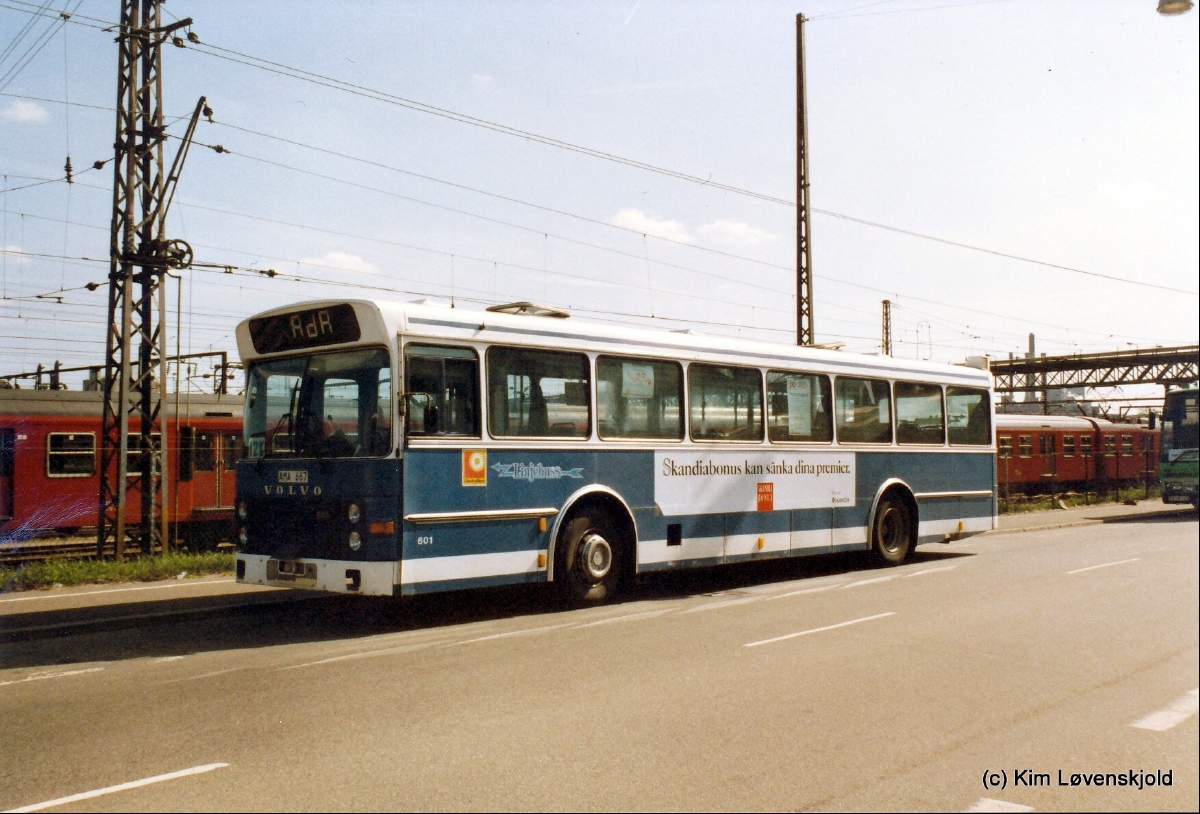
point(243, 511)
point(355, 541)
point(354, 513)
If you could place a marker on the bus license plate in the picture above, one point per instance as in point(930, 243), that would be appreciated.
point(291, 570)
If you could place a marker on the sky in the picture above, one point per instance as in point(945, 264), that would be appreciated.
point(993, 168)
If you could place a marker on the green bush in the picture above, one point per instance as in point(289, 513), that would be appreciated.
point(67, 571)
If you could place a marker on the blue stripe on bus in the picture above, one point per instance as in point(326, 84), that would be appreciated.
point(411, 589)
point(630, 473)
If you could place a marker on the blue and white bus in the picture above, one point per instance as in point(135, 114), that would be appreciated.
point(404, 448)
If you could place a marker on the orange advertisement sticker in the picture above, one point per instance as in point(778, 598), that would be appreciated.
point(766, 497)
point(474, 467)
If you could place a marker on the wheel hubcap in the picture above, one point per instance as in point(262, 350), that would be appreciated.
point(596, 555)
point(890, 530)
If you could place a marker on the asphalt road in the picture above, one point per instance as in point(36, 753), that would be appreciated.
point(981, 675)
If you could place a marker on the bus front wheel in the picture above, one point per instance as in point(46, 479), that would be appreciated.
point(892, 534)
point(587, 569)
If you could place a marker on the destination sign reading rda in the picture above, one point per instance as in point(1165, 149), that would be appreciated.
point(311, 328)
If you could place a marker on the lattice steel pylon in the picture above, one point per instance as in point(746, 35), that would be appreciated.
point(139, 258)
point(805, 333)
point(887, 328)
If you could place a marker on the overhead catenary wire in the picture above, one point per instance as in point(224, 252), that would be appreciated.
point(870, 288)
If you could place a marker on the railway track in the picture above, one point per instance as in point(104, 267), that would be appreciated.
point(43, 548)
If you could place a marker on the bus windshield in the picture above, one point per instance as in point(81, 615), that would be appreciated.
point(323, 405)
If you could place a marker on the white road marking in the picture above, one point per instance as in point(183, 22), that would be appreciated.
point(1105, 565)
point(806, 591)
point(819, 629)
point(524, 632)
point(1171, 716)
point(931, 571)
point(366, 654)
point(53, 595)
point(87, 795)
point(872, 581)
point(629, 617)
point(206, 675)
point(56, 674)
point(985, 804)
point(722, 604)
point(170, 658)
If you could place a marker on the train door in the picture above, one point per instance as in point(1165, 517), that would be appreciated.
point(215, 455)
point(1048, 454)
point(6, 474)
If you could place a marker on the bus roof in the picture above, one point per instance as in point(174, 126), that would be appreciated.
point(381, 321)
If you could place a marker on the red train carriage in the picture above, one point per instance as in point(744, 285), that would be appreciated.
point(1036, 453)
point(49, 463)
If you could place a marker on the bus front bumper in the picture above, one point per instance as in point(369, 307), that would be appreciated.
point(336, 576)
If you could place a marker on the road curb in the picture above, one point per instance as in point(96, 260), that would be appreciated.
point(1095, 521)
point(110, 623)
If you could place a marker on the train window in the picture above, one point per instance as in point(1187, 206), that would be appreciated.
point(71, 454)
point(798, 407)
point(726, 403)
point(1005, 446)
point(1085, 446)
point(1025, 446)
point(133, 458)
point(205, 460)
point(864, 411)
point(968, 416)
point(1126, 446)
point(7, 448)
point(1068, 446)
point(1110, 446)
point(1046, 443)
point(538, 393)
point(233, 449)
point(187, 443)
point(639, 398)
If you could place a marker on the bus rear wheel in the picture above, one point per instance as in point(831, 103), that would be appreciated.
point(892, 533)
point(587, 567)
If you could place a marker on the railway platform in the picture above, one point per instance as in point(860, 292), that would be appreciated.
point(88, 608)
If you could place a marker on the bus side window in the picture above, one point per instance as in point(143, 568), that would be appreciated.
point(919, 416)
point(726, 403)
point(441, 391)
point(538, 393)
point(798, 407)
point(639, 398)
point(863, 410)
point(969, 416)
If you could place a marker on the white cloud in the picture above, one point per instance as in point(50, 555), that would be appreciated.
point(16, 255)
point(482, 82)
point(342, 262)
point(730, 231)
point(649, 224)
point(25, 112)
